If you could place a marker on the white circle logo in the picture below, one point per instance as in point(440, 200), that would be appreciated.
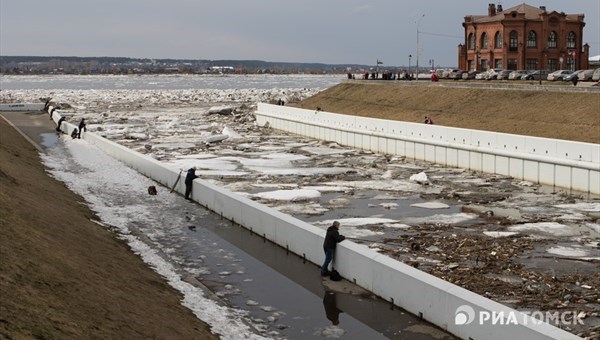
point(464, 315)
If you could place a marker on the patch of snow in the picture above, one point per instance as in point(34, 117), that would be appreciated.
point(289, 195)
point(552, 228)
point(431, 205)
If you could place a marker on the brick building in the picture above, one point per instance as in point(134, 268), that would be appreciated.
point(523, 38)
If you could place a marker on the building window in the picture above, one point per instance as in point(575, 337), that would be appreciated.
point(513, 41)
point(531, 39)
point(512, 64)
point(571, 40)
point(552, 63)
point(498, 40)
point(498, 63)
point(570, 63)
point(484, 40)
point(471, 65)
point(471, 41)
point(532, 64)
point(552, 40)
point(485, 65)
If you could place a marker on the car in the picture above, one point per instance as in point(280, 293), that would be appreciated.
point(516, 75)
point(596, 75)
point(480, 75)
point(558, 75)
point(456, 74)
point(469, 75)
point(573, 75)
point(536, 75)
point(503, 75)
point(586, 75)
point(492, 73)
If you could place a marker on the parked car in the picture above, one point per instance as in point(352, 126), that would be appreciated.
point(558, 75)
point(516, 75)
point(492, 73)
point(456, 74)
point(536, 75)
point(586, 75)
point(469, 75)
point(596, 75)
point(573, 75)
point(480, 75)
point(503, 75)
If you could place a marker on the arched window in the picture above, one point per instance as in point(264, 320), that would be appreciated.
point(498, 40)
point(471, 41)
point(571, 40)
point(552, 40)
point(531, 39)
point(484, 40)
point(513, 41)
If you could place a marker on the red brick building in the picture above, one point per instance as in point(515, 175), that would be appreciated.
point(523, 38)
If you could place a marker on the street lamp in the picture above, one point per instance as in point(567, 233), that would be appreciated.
point(418, 23)
point(432, 63)
point(409, 58)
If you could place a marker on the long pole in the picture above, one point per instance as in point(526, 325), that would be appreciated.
point(418, 23)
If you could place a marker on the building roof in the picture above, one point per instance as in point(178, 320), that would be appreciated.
point(531, 13)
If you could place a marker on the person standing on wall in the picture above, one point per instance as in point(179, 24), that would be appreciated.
point(189, 180)
point(332, 238)
point(81, 127)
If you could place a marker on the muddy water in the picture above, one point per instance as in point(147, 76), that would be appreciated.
point(286, 294)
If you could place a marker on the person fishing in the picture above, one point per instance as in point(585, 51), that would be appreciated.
point(189, 181)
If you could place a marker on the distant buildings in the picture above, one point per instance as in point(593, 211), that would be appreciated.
point(523, 37)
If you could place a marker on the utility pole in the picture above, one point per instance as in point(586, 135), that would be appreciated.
point(418, 23)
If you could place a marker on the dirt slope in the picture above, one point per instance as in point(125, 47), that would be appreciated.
point(561, 115)
point(63, 276)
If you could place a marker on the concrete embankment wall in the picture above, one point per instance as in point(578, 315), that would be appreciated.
point(553, 162)
point(433, 299)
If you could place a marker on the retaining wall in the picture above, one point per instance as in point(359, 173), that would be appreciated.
point(558, 163)
point(422, 294)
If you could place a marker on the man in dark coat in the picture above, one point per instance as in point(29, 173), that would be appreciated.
point(332, 238)
point(189, 179)
point(81, 127)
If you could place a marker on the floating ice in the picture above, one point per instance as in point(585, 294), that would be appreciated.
point(289, 195)
point(567, 251)
point(355, 222)
point(420, 178)
point(431, 205)
point(552, 228)
point(585, 206)
point(496, 234)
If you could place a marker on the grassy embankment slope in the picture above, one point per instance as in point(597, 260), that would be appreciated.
point(62, 276)
point(560, 115)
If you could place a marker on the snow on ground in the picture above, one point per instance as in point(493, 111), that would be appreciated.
point(104, 182)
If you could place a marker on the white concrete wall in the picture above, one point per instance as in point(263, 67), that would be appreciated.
point(22, 107)
point(560, 163)
point(417, 292)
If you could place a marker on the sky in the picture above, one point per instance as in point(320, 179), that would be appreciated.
point(323, 31)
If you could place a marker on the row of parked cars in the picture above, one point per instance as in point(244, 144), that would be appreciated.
point(500, 74)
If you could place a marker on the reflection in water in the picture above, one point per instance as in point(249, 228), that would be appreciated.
point(331, 310)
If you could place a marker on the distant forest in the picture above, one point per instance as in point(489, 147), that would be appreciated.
point(120, 65)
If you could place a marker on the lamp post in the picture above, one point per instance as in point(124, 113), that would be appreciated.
point(418, 23)
point(409, 58)
point(432, 63)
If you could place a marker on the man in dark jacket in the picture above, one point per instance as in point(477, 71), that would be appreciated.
point(189, 179)
point(332, 238)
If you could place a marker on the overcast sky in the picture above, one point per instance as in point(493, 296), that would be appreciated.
point(321, 31)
